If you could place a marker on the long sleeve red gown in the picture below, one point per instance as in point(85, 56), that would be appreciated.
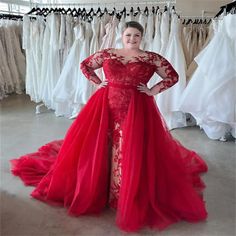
point(119, 153)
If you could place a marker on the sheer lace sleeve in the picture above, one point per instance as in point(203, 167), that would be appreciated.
point(92, 63)
point(165, 70)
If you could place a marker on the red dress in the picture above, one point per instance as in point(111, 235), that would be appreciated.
point(118, 152)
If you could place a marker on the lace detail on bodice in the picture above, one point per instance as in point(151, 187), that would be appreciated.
point(133, 71)
point(124, 75)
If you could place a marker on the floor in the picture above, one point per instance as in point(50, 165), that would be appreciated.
point(22, 131)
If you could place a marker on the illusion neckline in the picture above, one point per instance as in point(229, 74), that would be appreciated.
point(132, 59)
point(127, 62)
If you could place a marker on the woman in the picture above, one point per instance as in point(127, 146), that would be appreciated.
point(118, 152)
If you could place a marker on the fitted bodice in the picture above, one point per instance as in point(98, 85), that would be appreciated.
point(125, 74)
point(129, 73)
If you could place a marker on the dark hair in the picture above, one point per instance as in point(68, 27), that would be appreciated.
point(134, 24)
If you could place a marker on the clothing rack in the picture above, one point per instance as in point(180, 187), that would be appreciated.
point(11, 15)
point(227, 8)
point(98, 4)
point(108, 6)
point(196, 20)
point(117, 6)
point(88, 14)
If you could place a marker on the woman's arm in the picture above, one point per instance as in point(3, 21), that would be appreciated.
point(92, 63)
point(168, 74)
point(165, 70)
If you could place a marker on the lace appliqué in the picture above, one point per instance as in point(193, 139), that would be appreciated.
point(92, 63)
point(165, 70)
point(116, 158)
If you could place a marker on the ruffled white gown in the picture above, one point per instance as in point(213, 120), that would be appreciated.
point(210, 95)
point(73, 89)
point(168, 101)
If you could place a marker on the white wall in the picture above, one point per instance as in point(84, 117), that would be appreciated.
point(195, 8)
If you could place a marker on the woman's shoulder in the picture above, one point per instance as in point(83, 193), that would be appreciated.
point(154, 55)
point(107, 51)
point(151, 53)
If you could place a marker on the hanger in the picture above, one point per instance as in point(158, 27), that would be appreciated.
point(91, 12)
point(189, 21)
point(146, 11)
point(68, 11)
point(11, 17)
point(123, 12)
point(153, 9)
point(113, 11)
point(105, 10)
point(73, 12)
point(99, 10)
point(132, 10)
point(34, 9)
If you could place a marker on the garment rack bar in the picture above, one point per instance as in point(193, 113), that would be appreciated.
point(12, 12)
point(156, 2)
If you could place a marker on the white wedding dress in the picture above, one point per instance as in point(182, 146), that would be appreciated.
point(168, 101)
point(210, 95)
point(164, 27)
point(157, 33)
point(73, 89)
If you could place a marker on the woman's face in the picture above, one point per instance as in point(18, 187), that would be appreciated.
point(131, 38)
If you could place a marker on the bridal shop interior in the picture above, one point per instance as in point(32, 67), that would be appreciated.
point(43, 90)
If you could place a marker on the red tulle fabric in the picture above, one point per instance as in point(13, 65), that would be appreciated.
point(160, 182)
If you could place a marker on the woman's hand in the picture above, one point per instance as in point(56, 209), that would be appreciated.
point(102, 84)
point(144, 89)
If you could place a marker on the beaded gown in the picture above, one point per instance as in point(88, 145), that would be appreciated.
point(119, 153)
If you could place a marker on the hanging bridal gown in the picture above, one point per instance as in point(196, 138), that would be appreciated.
point(84, 89)
point(7, 84)
point(156, 46)
point(19, 57)
point(210, 95)
point(94, 44)
point(10, 53)
point(72, 89)
point(109, 38)
point(118, 152)
point(36, 53)
point(165, 28)
point(119, 29)
point(149, 33)
point(142, 19)
point(157, 35)
point(12, 66)
point(45, 59)
point(53, 70)
point(168, 101)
